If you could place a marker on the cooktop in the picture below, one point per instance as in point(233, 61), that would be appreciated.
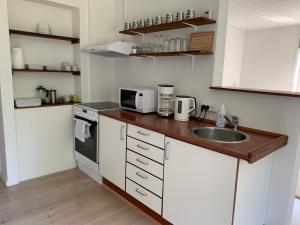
point(99, 106)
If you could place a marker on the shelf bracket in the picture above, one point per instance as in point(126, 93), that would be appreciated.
point(151, 57)
point(191, 25)
point(193, 59)
point(143, 35)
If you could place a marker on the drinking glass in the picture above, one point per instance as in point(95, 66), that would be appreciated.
point(172, 45)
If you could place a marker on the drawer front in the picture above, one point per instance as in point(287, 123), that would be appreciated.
point(147, 150)
point(144, 196)
point(149, 136)
point(144, 179)
point(146, 164)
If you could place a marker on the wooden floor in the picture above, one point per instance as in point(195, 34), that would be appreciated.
point(66, 198)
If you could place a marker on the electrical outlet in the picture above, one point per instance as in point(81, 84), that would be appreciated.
point(213, 107)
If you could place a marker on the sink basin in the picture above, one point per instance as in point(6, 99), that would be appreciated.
point(221, 135)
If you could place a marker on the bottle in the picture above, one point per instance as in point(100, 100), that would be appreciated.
point(221, 120)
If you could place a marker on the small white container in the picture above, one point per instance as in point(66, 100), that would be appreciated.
point(17, 58)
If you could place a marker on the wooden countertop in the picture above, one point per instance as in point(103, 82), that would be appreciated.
point(261, 143)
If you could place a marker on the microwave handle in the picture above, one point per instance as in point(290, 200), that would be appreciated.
point(137, 100)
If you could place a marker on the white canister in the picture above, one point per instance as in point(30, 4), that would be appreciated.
point(184, 105)
point(17, 58)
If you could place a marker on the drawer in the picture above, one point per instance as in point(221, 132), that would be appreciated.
point(146, 164)
point(146, 135)
point(144, 196)
point(147, 150)
point(144, 179)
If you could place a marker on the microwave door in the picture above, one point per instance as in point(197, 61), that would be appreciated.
point(128, 99)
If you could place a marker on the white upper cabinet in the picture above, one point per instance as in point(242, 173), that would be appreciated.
point(112, 147)
point(199, 185)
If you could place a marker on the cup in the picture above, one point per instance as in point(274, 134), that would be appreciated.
point(169, 18)
point(208, 14)
point(184, 44)
point(166, 45)
point(141, 24)
point(158, 20)
point(126, 27)
point(190, 14)
point(74, 68)
point(149, 22)
point(179, 16)
point(178, 44)
point(172, 45)
point(134, 25)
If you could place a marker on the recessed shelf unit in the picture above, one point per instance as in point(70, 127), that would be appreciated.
point(49, 36)
point(75, 73)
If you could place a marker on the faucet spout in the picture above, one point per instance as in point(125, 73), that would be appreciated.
point(234, 122)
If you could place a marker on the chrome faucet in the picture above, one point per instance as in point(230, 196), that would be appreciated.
point(234, 122)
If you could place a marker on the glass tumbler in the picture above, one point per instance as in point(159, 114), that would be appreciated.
point(173, 45)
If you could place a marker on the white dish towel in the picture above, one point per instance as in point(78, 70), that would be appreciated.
point(82, 130)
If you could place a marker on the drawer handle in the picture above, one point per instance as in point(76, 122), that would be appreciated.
point(141, 161)
point(140, 192)
point(143, 133)
point(142, 176)
point(141, 147)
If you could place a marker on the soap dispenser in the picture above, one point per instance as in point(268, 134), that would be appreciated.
point(221, 120)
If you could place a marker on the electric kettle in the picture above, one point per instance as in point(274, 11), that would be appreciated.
point(184, 105)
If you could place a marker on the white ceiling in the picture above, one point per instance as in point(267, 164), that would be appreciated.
point(259, 14)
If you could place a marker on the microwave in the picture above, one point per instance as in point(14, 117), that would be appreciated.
point(143, 100)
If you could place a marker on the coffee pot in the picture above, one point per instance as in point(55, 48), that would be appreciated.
point(42, 93)
point(184, 105)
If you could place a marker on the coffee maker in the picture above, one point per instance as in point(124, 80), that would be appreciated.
point(166, 100)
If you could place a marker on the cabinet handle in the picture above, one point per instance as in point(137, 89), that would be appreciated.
point(141, 147)
point(142, 176)
point(140, 192)
point(143, 133)
point(141, 161)
point(167, 154)
point(122, 133)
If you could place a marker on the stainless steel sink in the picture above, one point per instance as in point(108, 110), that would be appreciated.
point(221, 135)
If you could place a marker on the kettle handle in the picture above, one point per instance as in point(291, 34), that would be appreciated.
point(194, 104)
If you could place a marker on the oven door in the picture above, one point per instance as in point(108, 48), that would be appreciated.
point(89, 147)
point(128, 99)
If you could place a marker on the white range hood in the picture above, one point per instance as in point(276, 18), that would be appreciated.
point(110, 49)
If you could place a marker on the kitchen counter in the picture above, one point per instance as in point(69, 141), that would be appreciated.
point(261, 143)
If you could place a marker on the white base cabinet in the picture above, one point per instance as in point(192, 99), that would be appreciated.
point(112, 147)
point(184, 183)
point(199, 185)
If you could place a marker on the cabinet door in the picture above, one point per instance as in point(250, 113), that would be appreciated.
point(112, 147)
point(199, 185)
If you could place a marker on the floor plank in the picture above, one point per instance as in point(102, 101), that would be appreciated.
point(66, 198)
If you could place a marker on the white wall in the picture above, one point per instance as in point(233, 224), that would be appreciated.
point(8, 146)
point(270, 58)
point(234, 53)
point(101, 30)
point(273, 113)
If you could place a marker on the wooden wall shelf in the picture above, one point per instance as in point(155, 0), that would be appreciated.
point(170, 26)
point(47, 105)
point(162, 54)
point(49, 36)
point(258, 91)
point(75, 73)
